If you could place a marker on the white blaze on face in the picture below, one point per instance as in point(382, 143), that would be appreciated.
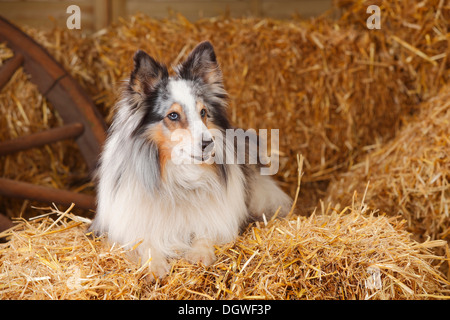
point(182, 93)
point(191, 144)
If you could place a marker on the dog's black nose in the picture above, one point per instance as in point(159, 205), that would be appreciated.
point(206, 143)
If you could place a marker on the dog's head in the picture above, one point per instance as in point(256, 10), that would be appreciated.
point(178, 113)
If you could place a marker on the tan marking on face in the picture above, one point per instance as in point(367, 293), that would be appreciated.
point(158, 135)
point(182, 123)
point(136, 86)
point(211, 126)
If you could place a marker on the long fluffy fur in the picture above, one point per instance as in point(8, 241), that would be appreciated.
point(175, 209)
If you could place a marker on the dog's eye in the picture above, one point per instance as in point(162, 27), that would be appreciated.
point(173, 116)
point(203, 113)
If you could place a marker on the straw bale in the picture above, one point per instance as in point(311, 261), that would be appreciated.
point(410, 175)
point(344, 255)
point(44, 260)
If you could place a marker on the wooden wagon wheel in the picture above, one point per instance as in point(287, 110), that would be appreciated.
point(82, 121)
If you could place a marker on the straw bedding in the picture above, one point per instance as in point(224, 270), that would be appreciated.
point(359, 104)
point(344, 255)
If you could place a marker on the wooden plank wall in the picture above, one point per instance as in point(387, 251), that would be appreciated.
point(100, 13)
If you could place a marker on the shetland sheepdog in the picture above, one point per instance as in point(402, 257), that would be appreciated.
point(167, 178)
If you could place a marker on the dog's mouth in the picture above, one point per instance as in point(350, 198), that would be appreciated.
point(204, 157)
point(198, 158)
point(184, 156)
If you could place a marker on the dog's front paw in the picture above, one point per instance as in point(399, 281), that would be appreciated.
point(158, 268)
point(201, 251)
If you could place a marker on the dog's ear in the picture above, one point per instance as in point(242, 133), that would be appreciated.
point(147, 73)
point(201, 64)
